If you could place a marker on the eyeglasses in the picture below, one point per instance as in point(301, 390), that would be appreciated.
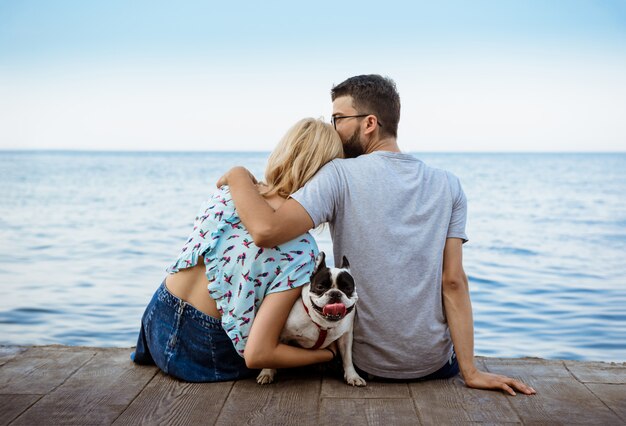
point(334, 118)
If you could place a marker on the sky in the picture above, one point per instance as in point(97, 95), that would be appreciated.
point(479, 76)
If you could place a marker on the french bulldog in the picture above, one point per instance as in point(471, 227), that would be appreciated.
point(324, 313)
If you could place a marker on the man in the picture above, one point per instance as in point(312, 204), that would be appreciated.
point(401, 224)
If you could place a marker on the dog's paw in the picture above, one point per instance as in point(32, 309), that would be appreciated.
point(266, 376)
point(354, 379)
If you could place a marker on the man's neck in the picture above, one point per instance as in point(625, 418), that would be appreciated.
point(385, 144)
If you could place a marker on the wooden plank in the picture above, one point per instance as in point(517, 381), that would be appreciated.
point(614, 396)
point(521, 367)
point(451, 402)
point(598, 372)
point(169, 401)
point(12, 406)
point(87, 386)
point(291, 399)
point(559, 399)
point(96, 394)
point(7, 353)
point(41, 369)
point(333, 387)
point(479, 362)
point(562, 401)
point(367, 411)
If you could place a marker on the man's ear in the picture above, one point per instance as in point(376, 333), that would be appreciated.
point(371, 124)
point(320, 262)
point(345, 264)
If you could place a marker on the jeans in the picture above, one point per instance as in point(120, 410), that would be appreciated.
point(186, 343)
point(450, 369)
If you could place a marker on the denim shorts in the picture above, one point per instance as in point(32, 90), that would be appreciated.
point(449, 369)
point(186, 343)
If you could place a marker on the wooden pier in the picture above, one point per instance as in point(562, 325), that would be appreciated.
point(77, 385)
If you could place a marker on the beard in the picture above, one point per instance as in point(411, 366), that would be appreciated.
point(352, 146)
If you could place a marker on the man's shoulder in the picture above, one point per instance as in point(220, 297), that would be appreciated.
point(351, 164)
point(440, 173)
point(447, 180)
point(342, 168)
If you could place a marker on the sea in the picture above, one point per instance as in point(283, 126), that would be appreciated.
point(85, 238)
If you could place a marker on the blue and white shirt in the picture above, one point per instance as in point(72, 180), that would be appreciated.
point(240, 273)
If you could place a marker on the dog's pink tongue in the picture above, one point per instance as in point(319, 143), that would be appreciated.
point(334, 309)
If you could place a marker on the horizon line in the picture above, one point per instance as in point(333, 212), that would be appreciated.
point(105, 151)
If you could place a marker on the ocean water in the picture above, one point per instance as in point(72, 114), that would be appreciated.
point(85, 238)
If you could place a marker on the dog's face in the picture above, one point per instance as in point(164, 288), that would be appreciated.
point(332, 290)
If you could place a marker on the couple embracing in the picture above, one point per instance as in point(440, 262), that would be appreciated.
point(220, 312)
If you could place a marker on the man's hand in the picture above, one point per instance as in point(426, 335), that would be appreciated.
point(481, 380)
point(235, 170)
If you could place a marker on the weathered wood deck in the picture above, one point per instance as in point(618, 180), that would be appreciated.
point(77, 385)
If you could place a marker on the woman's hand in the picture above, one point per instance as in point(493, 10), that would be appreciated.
point(481, 380)
point(235, 171)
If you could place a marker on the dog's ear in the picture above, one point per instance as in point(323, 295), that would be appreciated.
point(320, 262)
point(345, 264)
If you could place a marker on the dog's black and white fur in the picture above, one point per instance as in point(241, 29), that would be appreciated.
point(329, 289)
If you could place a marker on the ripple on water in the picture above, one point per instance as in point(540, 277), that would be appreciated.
point(42, 247)
point(27, 315)
point(479, 280)
point(517, 251)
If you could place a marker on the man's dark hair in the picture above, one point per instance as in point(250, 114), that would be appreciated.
point(373, 94)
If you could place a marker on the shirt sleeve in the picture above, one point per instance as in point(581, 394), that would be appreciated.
point(458, 218)
point(320, 196)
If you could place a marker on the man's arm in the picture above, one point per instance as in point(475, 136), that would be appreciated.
point(458, 308)
point(266, 226)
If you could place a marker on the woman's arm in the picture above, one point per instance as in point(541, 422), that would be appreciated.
point(263, 349)
point(266, 226)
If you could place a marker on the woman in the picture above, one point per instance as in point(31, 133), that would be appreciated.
point(220, 311)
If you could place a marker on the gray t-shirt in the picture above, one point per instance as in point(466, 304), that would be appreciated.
point(390, 214)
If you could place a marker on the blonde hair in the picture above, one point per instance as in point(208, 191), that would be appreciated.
point(304, 149)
